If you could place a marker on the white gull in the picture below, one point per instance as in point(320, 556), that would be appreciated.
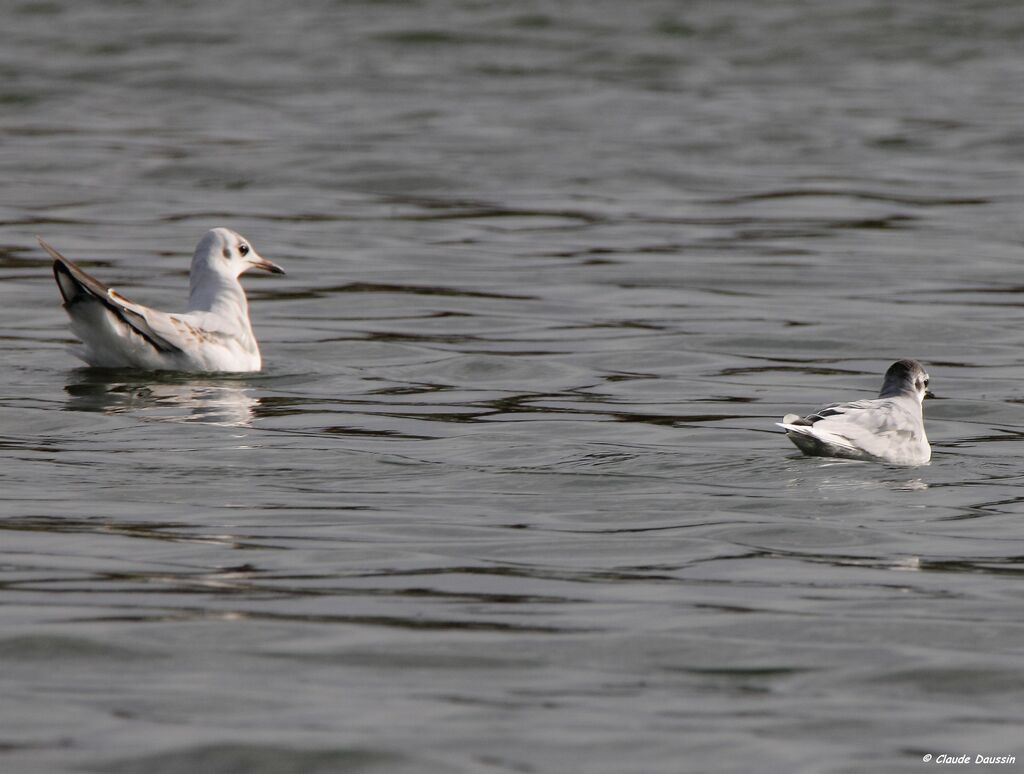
point(214, 334)
point(889, 428)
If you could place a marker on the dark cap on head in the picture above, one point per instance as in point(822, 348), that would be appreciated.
point(904, 376)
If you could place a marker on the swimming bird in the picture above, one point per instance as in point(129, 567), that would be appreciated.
point(889, 428)
point(214, 334)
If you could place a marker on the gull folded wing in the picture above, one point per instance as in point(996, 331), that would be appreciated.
point(78, 286)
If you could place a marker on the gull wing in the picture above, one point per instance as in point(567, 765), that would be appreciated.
point(78, 286)
point(863, 428)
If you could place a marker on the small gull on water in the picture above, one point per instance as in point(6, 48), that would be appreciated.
point(889, 428)
point(214, 334)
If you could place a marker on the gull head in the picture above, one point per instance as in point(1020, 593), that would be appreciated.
point(228, 254)
point(906, 377)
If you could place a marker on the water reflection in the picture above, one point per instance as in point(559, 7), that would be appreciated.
point(855, 475)
point(160, 396)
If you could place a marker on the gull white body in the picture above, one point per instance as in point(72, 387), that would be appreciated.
point(214, 334)
point(889, 428)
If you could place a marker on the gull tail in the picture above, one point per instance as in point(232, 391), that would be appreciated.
point(84, 296)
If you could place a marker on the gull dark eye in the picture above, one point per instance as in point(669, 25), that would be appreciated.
point(243, 249)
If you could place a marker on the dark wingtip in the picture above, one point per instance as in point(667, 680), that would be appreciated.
point(69, 289)
point(57, 257)
point(66, 282)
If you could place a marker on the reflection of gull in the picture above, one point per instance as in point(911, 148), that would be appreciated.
point(889, 428)
point(213, 403)
point(849, 483)
point(213, 335)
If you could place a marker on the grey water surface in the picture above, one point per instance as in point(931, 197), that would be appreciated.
point(508, 495)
